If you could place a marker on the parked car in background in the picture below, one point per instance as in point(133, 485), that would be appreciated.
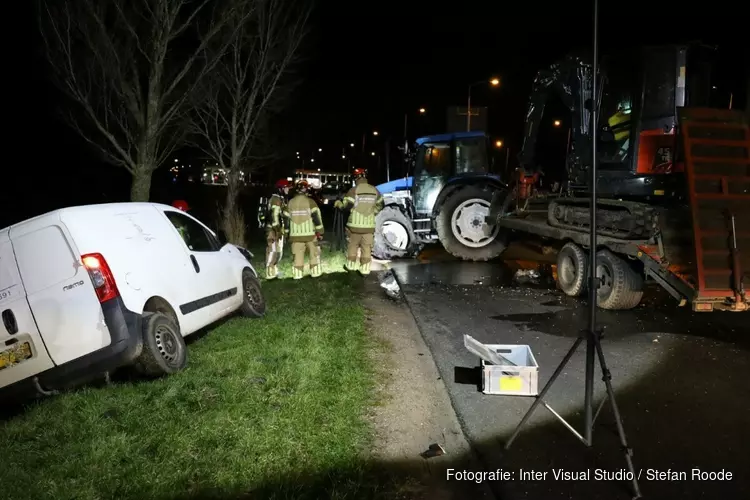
point(85, 290)
point(331, 192)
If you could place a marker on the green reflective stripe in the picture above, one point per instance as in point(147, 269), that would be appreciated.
point(302, 229)
point(349, 199)
point(356, 219)
point(275, 212)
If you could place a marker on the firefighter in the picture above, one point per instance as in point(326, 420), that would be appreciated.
point(275, 224)
point(619, 125)
point(364, 202)
point(305, 230)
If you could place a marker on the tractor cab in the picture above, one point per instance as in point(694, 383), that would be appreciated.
point(447, 200)
point(440, 160)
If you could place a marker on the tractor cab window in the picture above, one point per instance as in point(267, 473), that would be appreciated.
point(471, 156)
point(615, 114)
point(433, 166)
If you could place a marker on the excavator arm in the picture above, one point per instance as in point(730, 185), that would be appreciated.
point(570, 79)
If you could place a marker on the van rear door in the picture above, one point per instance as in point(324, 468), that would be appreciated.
point(22, 351)
point(59, 290)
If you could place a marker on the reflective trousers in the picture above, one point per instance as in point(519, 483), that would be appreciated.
point(298, 251)
point(359, 243)
point(274, 252)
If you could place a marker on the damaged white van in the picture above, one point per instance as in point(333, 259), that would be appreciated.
point(85, 290)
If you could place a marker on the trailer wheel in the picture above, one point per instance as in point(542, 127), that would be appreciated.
point(462, 229)
point(572, 270)
point(394, 235)
point(620, 286)
point(164, 350)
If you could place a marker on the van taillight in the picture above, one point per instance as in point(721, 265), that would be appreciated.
point(101, 276)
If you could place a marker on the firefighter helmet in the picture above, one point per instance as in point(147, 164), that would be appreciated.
point(359, 173)
point(180, 205)
point(303, 186)
point(283, 183)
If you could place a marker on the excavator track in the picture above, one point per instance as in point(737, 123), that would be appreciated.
point(625, 220)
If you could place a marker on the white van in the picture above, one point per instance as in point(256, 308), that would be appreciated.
point(84, 290)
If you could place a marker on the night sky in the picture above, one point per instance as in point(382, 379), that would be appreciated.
point(366, 64)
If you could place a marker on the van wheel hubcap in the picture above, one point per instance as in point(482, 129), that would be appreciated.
point(167, 343)
point(251, 293)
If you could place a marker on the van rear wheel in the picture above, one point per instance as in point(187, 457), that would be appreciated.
point(164, 350)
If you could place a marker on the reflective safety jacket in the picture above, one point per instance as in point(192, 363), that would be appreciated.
point(304, 218)
point(274, 212)
point(365, 202)
point(619, 123)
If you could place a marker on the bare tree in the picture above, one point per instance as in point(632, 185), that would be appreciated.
point(245, 90)
point(130, 67)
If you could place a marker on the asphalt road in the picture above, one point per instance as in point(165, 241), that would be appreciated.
point(681, 381)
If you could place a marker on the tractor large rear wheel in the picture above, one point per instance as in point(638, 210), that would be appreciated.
point(462, 229)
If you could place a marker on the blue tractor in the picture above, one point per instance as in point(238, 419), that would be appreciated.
point(446, 200)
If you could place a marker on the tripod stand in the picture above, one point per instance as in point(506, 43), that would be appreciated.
point(593, 346)
point(339, 235)
point(592, 335)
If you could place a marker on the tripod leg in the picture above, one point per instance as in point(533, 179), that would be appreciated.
point(618, 419)
point(589, 390)
point(540, 398)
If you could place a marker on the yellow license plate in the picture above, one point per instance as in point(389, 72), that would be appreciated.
point(15, 355)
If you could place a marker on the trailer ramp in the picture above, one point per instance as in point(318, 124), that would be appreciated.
point(716, 149)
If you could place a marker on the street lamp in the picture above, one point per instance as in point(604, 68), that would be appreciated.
point(495, 82)
point(498, 144)
point(351, 144)
point(372, 154)
point(557, 123)
point(422, 110)
point(343, 157)
point(375, 132)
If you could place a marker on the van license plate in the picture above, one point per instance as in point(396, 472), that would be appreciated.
point(14, 355)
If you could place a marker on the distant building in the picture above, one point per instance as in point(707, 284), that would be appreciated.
point(319, 179)
point(214, 175)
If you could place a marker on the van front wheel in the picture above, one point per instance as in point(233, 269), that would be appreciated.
point(164, 350)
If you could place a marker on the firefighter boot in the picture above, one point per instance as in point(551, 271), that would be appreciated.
point(270, 272)
point(298, 273)
point(364, 269)
point(352, 265)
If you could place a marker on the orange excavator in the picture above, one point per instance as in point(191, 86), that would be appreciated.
point(673, 180)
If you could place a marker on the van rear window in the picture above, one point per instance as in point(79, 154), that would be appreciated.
point(44, 259)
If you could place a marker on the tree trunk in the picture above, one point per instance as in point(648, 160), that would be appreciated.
point(140, 189)
point(233, 220)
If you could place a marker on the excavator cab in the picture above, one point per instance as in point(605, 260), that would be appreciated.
point(639, 93)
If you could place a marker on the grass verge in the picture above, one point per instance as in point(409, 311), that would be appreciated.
point(268, 408)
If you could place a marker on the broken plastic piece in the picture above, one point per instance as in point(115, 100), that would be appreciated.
point(390, 285)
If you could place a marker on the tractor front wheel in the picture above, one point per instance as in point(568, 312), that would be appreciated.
point(394, 235)
point(462, 229)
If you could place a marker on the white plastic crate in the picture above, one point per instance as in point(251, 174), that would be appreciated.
point(509, 370)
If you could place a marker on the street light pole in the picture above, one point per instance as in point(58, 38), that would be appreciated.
point(468, 111)
point(388, 160)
